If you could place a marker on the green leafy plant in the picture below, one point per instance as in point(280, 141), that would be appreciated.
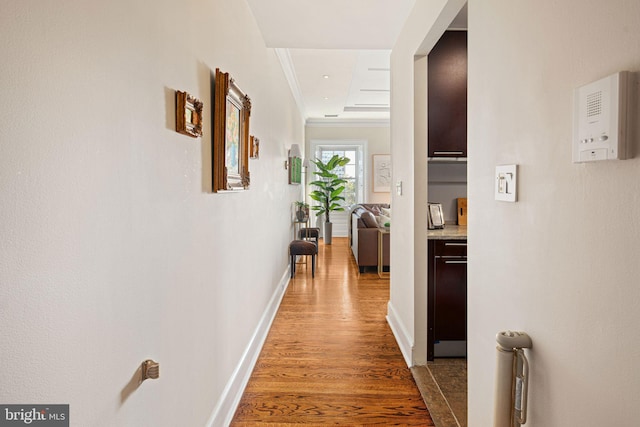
point(302, 210)
point(329, 186)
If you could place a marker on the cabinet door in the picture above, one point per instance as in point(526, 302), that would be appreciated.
point(447, 96)
point(450, 295)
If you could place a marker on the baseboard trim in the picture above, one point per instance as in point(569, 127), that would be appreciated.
point(403, 338)
point(228, 403)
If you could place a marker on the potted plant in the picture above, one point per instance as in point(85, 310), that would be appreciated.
point(302, 211)
point(329, 187)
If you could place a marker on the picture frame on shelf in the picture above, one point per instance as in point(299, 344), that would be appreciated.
point(435, 216)
point(231, 114)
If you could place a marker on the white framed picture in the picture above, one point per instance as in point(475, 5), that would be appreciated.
point(381, 173)
point(436, 217)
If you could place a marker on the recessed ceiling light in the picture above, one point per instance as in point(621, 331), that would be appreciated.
point(326, 76)
point(326, 98)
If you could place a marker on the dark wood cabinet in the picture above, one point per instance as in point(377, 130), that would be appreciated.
point(447, 297)
point(447, 96)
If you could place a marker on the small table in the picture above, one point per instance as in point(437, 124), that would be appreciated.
point(381, 273)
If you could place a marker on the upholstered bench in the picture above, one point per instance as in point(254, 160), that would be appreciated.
point(303, 247)
point(309, 233)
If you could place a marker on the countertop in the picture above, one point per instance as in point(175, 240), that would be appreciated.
point(449, 232)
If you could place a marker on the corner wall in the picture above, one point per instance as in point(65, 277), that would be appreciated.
point(113, 249)
point(407, 305)
point(562, 262)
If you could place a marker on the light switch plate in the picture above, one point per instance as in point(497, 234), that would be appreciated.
point(506, 183)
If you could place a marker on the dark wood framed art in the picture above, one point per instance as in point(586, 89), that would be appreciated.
point(231, 113)
point(188, 114)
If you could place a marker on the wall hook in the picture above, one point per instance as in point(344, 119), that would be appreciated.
point(150, 369)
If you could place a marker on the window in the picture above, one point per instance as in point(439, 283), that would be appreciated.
point(353, 173)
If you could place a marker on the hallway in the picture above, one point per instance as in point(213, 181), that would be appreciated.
point(330, 357)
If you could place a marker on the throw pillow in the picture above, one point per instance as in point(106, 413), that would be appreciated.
point(369, 220)
point(383, 219)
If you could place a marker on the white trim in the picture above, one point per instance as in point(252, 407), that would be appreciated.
point(290, 74)
point(228, 403)
point(403, 338)
point(348, 123)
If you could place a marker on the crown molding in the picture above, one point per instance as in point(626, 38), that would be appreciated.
point(352, 123)
point(290, 74)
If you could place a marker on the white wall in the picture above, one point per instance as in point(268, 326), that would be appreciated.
point(406, 313)
point(377, 137)
point(562, 263)
point(113, 249)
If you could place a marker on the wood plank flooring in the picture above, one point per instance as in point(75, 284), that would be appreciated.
point(330, 357)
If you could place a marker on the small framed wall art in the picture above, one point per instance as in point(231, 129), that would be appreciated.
point(188, 114)
point(381, 173)
point(295, 170)
point(254, 144)
point(231, 113)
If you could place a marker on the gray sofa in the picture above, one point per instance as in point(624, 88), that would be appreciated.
point(363, 235)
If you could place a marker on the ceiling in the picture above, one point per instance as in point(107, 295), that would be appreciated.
point(335, 53)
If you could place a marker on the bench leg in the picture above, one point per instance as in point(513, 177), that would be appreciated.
point(313, 266)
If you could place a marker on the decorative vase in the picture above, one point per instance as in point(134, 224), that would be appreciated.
point(301, 215)
point(328, 231)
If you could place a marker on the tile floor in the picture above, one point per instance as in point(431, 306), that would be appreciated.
point(443, 385)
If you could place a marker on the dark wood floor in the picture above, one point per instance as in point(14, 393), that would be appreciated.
point(330, 357)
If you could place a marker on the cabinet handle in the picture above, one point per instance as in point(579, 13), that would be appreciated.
point(435, 153)
point(455, 262)
point(455, 244)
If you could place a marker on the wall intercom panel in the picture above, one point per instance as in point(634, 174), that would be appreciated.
point(601, 118)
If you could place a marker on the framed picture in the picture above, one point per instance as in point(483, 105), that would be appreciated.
point(435, 216)
point(254, 144)
point(295, 170)
point(188, 114)
point(381, 173)
point(231, 112)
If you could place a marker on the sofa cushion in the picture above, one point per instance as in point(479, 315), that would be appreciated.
point(369, 220)
point(374, 208)
point(383, 219)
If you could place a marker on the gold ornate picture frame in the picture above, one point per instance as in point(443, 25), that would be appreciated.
point(231, 113)
point(254, 144)
point(188, 114)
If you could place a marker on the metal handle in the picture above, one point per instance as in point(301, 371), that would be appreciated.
point(521, 386)
point(455, 244)
point(448, 152)
point(455, 262)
